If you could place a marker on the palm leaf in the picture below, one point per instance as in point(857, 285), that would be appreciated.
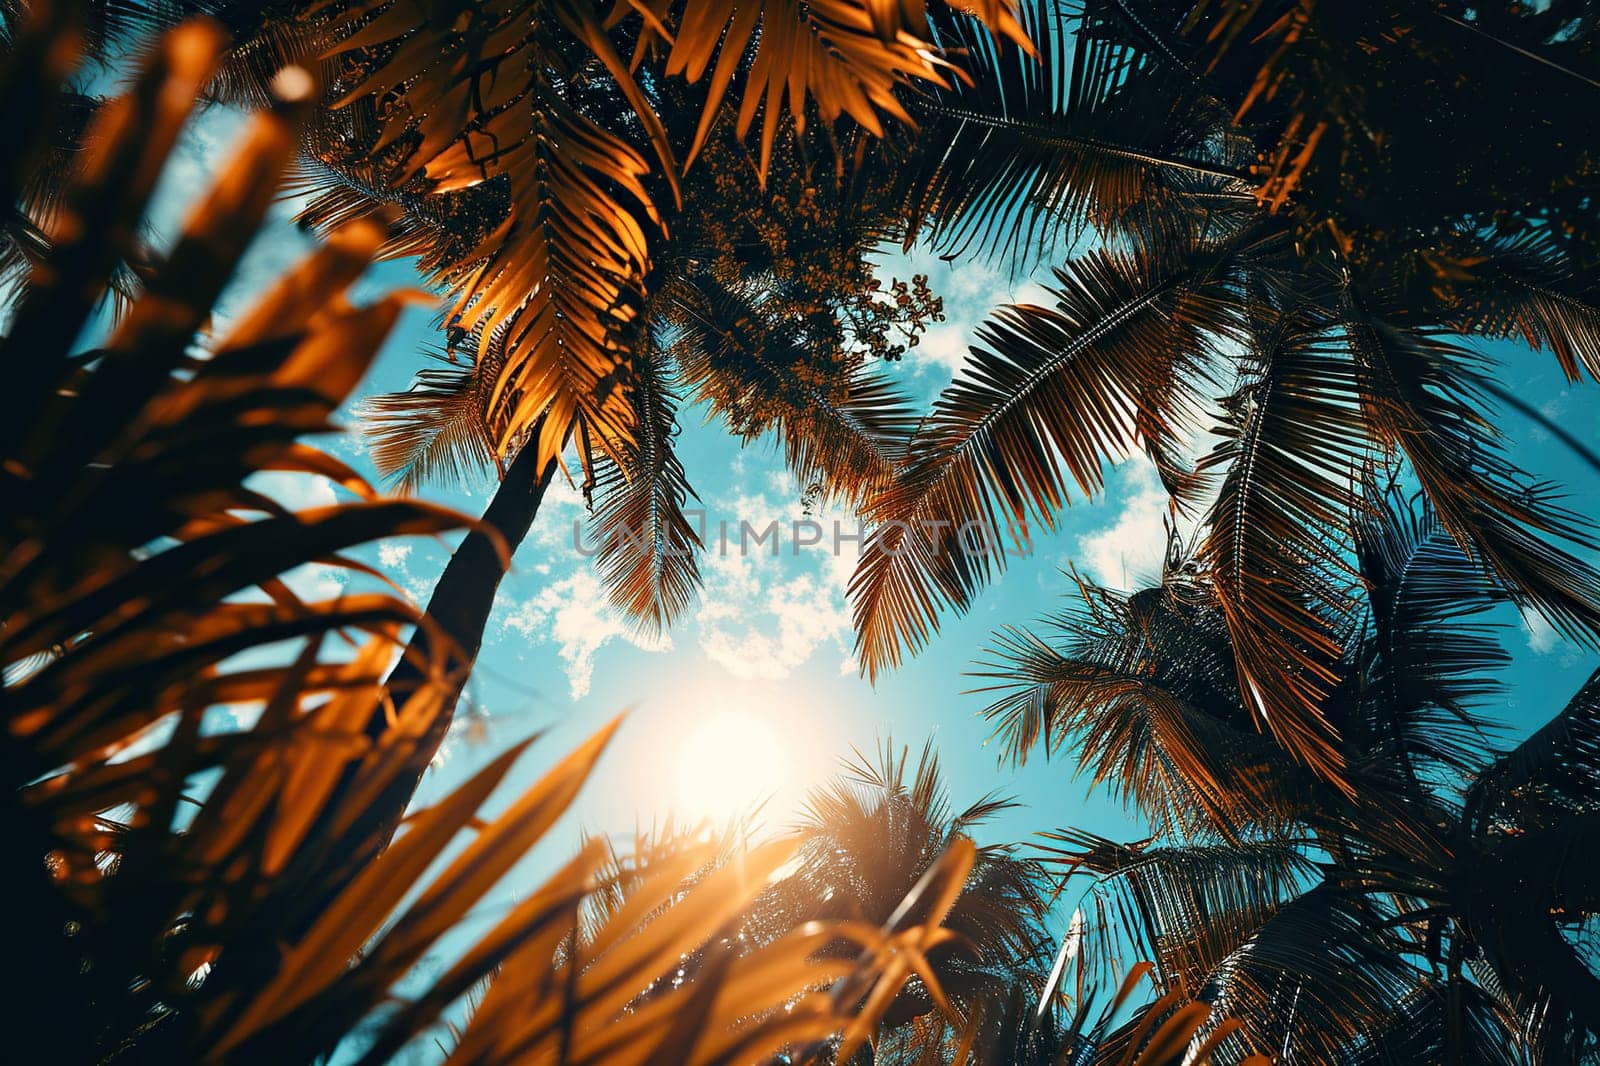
point(1310, 981)
point(646, 544)
point(1433, 662)
point(1554, 769)
point(1052, 396)
point(563, 273)
point(1527, 287)
point(1292, 445)
point(844, 56)
point(1078, 129)
point(432, 431)
point(1194, 904)
point(1182, 769)
point(1420, 396)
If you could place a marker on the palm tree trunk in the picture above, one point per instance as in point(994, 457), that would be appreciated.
point(459, 609)
point(465, 592)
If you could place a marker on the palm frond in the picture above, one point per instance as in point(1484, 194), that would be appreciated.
point(844, 56)
point(646, 545)
point(1449, 1020)
point(1052, 396)
point(1182, 769)
point(1431, 661)
point(564, 272)
point(1552, 771)
point(1419, 396)
point(1292, 445)
point(1080, 129)
point(1310, 982)
point(433, 431)
point(1527, 287)
point(1192, 904)
point(1530, 879)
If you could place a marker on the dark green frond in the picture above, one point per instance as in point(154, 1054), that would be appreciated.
point(1431, 662)
point(1035, 147)
point(1292, 444)
point(1419, 396)
point(1554, 772)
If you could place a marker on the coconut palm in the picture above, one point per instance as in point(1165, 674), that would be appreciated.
point(765, 310)
point(549, 111)
point(1280, 236)
point(761, 303)
point(870, 839)
point(188, 850)
point(1435, 912)
point(873, 832)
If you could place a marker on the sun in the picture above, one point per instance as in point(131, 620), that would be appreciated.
point(728, 763)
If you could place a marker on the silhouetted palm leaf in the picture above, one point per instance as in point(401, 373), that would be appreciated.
point(1420, 396)
point(1384, 919)
point(433, 430)
point(646, 545)
point(1076, 130)
point(1054, 394)
point(1291, 447)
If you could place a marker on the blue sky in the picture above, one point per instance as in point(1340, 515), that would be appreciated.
point(769, 641)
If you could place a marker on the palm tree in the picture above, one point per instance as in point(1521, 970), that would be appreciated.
point(764, 309)
point(868, 841)
point(180, 793)
point(1289, 243)
point(871, 834)
point(760, 302)
point(1434, 912)
point(549, 111)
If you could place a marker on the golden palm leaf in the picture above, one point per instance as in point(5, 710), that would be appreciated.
point(190, 764)
point(490, 95)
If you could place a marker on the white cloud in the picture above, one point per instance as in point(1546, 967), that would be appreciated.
point(562, 505)
point(394, 556)
point(297, 492)
point(1131, 549)
point(316, 582)
point(1541, 635)
point(574, 614)
point(971, 293)
point(945, 346)
point(764, 617)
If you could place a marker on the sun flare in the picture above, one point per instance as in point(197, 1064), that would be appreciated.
point(728, 762)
